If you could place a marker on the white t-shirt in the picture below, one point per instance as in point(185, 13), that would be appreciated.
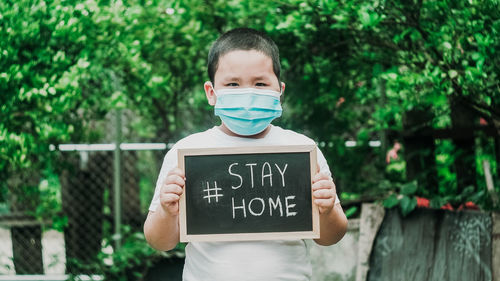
point(242, 260)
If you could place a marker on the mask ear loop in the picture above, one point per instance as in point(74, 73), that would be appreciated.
point(213, 88)
point(282, 97)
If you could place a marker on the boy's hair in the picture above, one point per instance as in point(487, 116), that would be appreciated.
point(243, 39)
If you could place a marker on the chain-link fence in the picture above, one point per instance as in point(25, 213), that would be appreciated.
point(72, 241)
point(69, 222)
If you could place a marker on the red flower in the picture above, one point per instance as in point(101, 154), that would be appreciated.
point(423, 202)
point(447, 207)
point(469, 205)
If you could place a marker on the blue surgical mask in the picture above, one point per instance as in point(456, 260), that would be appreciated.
point(247, 111)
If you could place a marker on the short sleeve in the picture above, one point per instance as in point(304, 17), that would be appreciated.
point(169, 162)
point(323, 168)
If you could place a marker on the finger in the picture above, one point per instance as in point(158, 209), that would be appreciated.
point(172, 208)
point(169, 198)
point(323, 194)
point(175, 179)
point(172, 188)
point(324, 203)
point(321, 176)
point(176, 171)
point(323, 184)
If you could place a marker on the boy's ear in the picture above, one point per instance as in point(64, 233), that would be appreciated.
point(282, 97)
point(210, 93)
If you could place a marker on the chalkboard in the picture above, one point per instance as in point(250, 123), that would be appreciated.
point(248, 193)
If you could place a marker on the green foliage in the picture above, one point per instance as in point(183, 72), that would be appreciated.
point(352, 69)
point(133, 258)
point(351, 211)
point(468, 194)
point(391, 201)
point(50, 204)
point(404, 198)
point(130, 262)
point(407, 204)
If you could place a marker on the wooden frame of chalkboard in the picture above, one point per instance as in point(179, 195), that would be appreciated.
point(248, 193)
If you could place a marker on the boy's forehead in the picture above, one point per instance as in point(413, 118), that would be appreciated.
point(232, 76)
point(244, 63)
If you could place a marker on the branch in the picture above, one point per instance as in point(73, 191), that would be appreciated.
point(162, 112)
point(480, 106)
point(418, 13)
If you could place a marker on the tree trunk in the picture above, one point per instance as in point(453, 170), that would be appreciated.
point(497, 151)
point(419, 149)
point(465, 158)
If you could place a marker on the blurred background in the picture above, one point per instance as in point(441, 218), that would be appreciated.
point(402, 97)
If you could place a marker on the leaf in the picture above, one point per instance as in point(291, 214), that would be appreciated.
point(437, 202)
point(367, 17)
point(392, 75)
point(415, 35)
point(477, 56)
point(407, 204)
point(401, 36)
point(409, 188)
point(119, 100)
point(477, 196)
point(391, 201)
point(351, 211)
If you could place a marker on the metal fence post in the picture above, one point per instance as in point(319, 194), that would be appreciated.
point(117, 180)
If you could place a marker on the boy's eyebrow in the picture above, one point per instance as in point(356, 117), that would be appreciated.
point(260, 77)
point(237, 78)
point(231, 78)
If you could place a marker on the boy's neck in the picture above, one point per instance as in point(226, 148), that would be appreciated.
point(260, 135)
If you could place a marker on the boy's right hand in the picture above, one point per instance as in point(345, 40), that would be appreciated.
point(171, 191)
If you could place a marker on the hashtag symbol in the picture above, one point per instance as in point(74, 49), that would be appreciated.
point(212, 192)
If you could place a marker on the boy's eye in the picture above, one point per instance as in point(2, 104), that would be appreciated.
point(260, 84)
point(232, 84)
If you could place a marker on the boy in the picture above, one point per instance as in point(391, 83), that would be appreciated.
point(244, 88)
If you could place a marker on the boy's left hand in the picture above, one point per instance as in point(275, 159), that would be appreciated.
point(324, 192)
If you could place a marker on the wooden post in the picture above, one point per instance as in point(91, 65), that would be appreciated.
point(26, 240)
point(495, 247)
point(132, 214)
point(82, 190)
point(372, 216)
point(27, 249)
point(433, 245)
point(497, 152)
point(489, 182)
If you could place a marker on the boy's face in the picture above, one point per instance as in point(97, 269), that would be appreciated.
point(243, 69)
